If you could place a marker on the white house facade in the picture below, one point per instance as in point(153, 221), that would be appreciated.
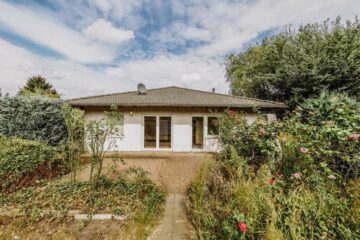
point(171, 119)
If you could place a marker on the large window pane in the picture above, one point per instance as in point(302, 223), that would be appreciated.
point(150, 132)
point(165, 132)
point(198, 132)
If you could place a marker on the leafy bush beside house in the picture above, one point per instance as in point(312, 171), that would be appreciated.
point(294, 179)
point(22, 162)
point(34, 118)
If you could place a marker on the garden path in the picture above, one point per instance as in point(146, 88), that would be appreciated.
point(172, 170)
point(174, 225)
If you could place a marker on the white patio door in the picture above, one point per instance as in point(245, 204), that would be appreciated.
point(157, 132)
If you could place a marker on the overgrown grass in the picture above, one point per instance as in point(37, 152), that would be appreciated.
point(219, 199)
point(131, 194)
point(295, 179)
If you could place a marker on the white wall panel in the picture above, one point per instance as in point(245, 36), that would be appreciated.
point(182, 132)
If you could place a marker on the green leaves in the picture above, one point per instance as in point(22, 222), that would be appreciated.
point(297, 64)
point(38, 86)
point(101, 137)
point(34, 118)
point(22, 162)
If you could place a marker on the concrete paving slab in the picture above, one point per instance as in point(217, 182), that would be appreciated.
point(181, 237)
point(102, 217)
point(175, 224)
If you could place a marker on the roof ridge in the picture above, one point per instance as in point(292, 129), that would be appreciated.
point(111, 94)
point(230, 95)
point(183, 88)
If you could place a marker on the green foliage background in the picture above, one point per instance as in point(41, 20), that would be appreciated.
point(37, 85)
point(34, 118)
point(296, 64)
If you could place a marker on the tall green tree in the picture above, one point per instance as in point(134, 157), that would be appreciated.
point(38, 85)
point(296, 64)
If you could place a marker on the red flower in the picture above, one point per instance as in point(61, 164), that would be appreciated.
point(304, 150)
point(353, 136)
point(242, 227)
point(272, 181)
point(231, 113)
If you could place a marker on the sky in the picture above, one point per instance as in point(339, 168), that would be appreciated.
point(89, 47)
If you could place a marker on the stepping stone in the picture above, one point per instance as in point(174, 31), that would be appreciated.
point(82, 217)
point(102, 217)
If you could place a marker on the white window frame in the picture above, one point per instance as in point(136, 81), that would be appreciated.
point(157, 148)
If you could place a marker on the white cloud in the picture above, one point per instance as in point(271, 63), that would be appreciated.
point(41, 28)
point(103, 5)
point(120, 11)
point(103, 31)
point(74, 79)
point(179, 33)
point(70, 78)
point(166, 70)
point(195, 33)
point(235, 23)
point(192, 77)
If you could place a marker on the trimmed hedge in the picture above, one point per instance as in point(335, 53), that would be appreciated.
point(22, 162)
point(34, 118)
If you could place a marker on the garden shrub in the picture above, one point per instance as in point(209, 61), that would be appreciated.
point(328, 127)
point(74, 145)
point(34, 118)
point(254, 142)
point(22, 162)
point(294, 179)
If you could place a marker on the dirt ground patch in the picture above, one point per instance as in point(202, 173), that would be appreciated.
point(79, 230)
point(174, 171)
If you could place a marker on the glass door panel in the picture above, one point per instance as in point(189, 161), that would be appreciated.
point(165, 132)
point(150, 132)
point(198, 132)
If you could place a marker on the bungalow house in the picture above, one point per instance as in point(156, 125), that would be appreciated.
point(171, 118)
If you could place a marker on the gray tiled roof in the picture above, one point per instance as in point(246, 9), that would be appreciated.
point(174, 96)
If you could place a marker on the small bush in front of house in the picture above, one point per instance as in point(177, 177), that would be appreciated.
point(33, 117)
point(296, 179)
point(22, 162)
point(255, 142)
